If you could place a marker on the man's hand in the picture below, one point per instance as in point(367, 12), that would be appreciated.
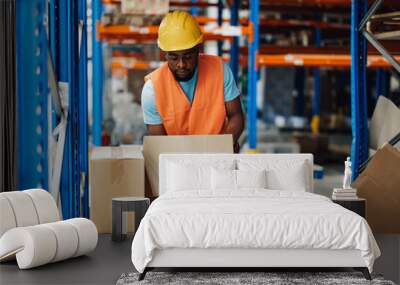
point(156, 130)
point(235, 123)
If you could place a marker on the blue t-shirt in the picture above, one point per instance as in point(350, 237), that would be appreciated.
point(150, 112)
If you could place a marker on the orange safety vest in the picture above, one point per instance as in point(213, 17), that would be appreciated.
point(206, 115)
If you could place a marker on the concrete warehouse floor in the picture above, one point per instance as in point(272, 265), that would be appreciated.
point(110, 260)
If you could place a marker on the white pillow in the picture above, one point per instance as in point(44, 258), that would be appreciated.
point(237, 179)
point(223, 179)
point(281, 174)
point(186, 175)
point(251, 178)
point(293, 180)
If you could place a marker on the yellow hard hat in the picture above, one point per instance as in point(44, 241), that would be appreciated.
point(179, 31)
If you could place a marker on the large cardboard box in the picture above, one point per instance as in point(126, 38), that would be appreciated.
point(153, 146)
point(379, 184)
point(114, 172)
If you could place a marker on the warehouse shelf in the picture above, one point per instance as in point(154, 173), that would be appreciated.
point(311, 7)
point(303, 24)
point(52, 64)
point(318, 60)
point(305, 57)
point(391, 46)
point(256, 56)
point(202, 4)
point(295, 3)
point(335, 3)
point(118, 53)
point(288, 57)
point(123, 32)
point(32, 96)
point(314, 3)
point(280, 23)
point(386, 19)
point(119, 65)
point(122, 64)
point(360, 32)
point(393, 35)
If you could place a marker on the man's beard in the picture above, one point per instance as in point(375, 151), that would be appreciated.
point(184, 78)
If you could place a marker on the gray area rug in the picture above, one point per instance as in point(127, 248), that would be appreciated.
point(269, 278)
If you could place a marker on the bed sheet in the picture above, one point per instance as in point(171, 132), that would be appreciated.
point(250, 218)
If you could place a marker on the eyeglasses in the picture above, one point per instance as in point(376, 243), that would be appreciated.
point(184, 57)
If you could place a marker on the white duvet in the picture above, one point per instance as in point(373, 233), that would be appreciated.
point(252, 218)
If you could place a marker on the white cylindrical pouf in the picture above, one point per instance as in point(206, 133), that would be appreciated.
point(7, 218)
point(40, 247)
point(87, 233)
point(45, 205)
point(67, 239)
point(34, 246)
point(23, 207)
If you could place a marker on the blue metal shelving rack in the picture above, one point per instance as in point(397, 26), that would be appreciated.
point(83, 111)
point(64, 20)
point(360, 15)
point(316, 99)
point(382, 82)
point(98, 75)
point(253, 75)
point(358, 83)
point(299, 82)
point(71, 69)
point(32, 93)
point(219, 21)
point(359, 116)
point(234, 52)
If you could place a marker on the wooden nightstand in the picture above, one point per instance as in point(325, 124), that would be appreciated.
point(356, 205)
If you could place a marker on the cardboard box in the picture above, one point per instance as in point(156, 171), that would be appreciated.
point(114, 172)
point(153, 146)
point(385, 122)
point(379, 184)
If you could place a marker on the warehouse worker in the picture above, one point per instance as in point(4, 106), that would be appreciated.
point(192, 93)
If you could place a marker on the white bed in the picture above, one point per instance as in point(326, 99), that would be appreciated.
point(248, 227)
